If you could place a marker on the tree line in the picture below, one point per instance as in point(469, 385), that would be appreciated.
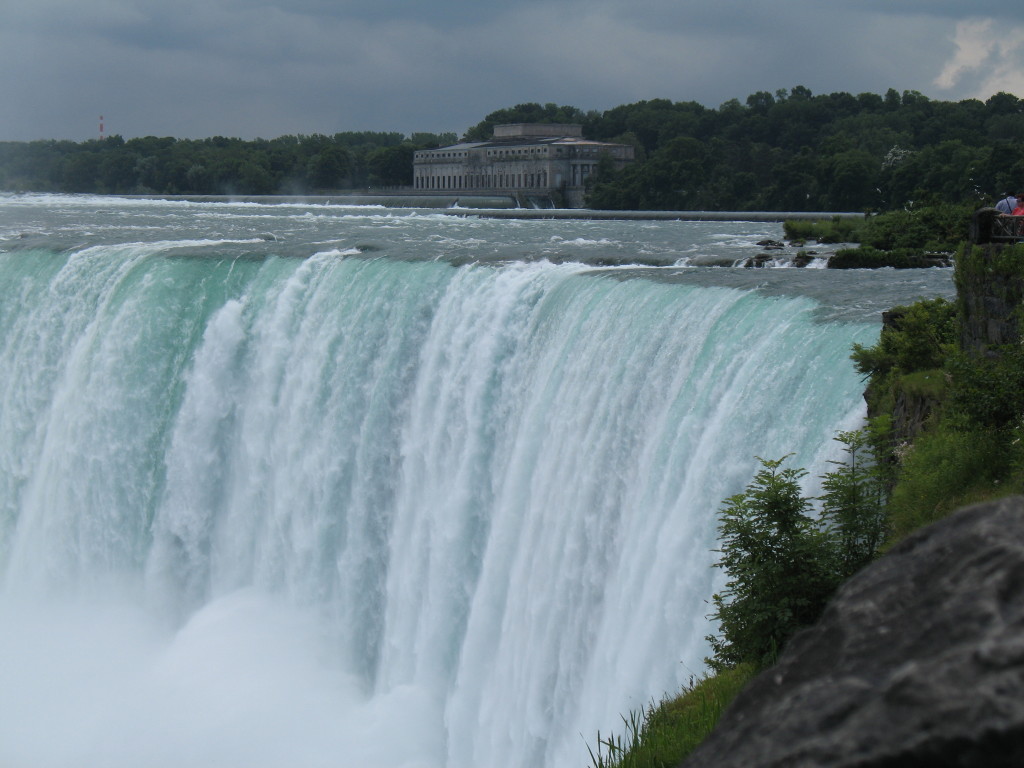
point(218, 165)
point(787, 150)
point(803, 152)
point(792, 150)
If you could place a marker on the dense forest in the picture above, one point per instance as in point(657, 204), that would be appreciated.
point(788, 150)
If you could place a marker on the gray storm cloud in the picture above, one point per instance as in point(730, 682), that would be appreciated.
point(247, 69)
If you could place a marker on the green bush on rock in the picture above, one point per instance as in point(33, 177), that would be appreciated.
point(914, 338)
point(853, 506)
point(834, 230)
point(783, 564)
point(774, 556)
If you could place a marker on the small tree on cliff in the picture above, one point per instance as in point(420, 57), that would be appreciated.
point(856, 492)
point(784, 565)
point(779, 572)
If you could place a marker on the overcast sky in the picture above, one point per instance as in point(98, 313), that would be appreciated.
point(264, 68)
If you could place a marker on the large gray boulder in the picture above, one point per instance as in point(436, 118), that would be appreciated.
point(917, 662)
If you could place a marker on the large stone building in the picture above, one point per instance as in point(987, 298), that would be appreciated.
point(532, 161)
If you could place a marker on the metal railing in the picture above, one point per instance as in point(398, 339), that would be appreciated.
point(990, 226)
point(1007, 228)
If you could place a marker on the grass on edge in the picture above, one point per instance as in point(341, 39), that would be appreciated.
point(662, 735)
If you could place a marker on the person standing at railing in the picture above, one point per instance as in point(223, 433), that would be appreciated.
point(1007, 204)
point(1018, 224)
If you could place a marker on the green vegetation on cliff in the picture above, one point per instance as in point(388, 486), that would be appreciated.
point(661, 735)
point(965, 442)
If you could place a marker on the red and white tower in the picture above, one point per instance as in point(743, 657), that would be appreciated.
point(102, 136)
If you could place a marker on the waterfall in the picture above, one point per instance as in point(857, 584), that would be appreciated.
point(364, 511)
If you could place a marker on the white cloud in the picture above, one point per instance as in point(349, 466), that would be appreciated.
point(974, 46)
point(989, 56)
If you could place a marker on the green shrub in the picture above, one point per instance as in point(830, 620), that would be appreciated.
point(989, 264)
point(947, 468)
point(988, 391)
point(835, 230)
point(854, 503)
point(930, 384)
point(783, 565)
point(939, 227)
point(779, 571)
point(899, 239)
point(916, 337)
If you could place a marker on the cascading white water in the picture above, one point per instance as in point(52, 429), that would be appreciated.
point(372, 512)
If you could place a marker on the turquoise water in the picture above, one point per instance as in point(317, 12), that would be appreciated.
point(289, 485)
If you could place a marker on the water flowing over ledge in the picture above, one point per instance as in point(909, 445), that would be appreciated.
point(363, 510)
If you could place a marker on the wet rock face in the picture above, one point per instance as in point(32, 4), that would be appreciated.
point(918, 661)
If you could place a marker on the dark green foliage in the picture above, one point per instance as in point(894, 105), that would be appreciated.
point(783, 565)
point(835, 230)
point(867, 257)
point(947, 467)
point(780, 573)
point(970, 448)
point(934, 227)
point(219, 165)
point(804, 152)
point(902, 239)
point(1006, 263)
point(329, 168)
point(391, 166)
point(988, 391)
point(856, 492)
point(915, 338)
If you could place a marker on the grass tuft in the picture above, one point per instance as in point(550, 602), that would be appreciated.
point(662, 735)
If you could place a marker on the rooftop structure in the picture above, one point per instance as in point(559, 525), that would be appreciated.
point(523, 160)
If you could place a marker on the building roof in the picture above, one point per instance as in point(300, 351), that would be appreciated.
point(522, 141)
point(525, 135)
point(508, 130)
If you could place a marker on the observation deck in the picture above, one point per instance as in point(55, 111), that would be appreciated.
point(990, 226)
